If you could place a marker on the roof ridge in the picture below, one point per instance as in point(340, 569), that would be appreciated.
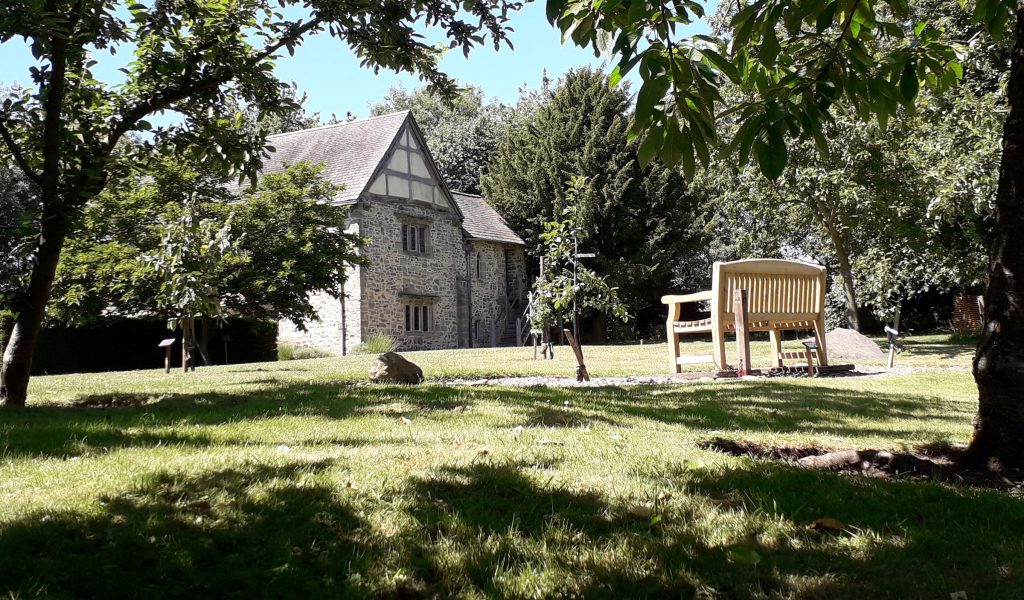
point(334, 125)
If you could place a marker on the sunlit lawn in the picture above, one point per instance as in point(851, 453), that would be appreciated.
point(287, 480)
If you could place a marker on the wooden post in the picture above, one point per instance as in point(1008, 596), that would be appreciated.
point(184, 345)
point(166, 345)
point(739, 308)
point(892, 333)
point(581, 369)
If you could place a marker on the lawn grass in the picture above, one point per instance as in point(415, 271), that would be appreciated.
point(292, 480)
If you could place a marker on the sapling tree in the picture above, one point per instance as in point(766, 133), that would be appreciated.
point(196, 59)
point(565, 286)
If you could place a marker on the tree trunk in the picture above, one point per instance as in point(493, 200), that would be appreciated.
point(999, 362)
point(204, 341)
point(846, 271)
point(21, 346)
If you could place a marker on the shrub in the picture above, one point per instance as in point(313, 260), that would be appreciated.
point(375, 343)
point(289, 352)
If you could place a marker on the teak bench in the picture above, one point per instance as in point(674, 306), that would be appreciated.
point(782, 295)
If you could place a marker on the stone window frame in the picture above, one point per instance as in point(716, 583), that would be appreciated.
point(418, 314)
point(412, 228)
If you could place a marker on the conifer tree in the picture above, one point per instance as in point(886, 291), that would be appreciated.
point(637, 219)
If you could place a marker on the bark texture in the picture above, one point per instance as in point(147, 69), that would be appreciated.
point(999, 362)
point(21, 346)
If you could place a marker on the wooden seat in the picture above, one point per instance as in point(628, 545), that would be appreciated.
point(782, 295)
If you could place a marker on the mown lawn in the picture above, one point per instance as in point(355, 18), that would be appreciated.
point(293, 480)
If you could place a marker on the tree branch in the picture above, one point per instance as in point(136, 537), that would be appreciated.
point(172, 95)
point(19, 157)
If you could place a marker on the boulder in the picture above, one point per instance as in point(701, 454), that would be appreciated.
point(391, 367)
point(849, 345)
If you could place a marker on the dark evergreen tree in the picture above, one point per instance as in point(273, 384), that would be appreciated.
point(639, 220)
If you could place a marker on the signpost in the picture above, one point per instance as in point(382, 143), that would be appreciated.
point(166, 345)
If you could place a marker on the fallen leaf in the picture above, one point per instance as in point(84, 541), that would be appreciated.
point(456, 443)
point(350, 486)
point(405, 421)
point(483, 452)
point(828, 524)
point(664, 496)
point(744, 554)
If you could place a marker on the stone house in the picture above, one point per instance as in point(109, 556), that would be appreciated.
point(445, 271)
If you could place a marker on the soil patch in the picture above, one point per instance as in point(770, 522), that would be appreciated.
point(934, 463)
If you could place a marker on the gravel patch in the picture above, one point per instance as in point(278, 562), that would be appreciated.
point(635, 380)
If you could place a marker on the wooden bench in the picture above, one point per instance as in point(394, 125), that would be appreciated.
point(782, 295)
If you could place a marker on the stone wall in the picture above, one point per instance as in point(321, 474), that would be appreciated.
point(499, 266)
point(324, 334)
point(335, 321)
point(396, 277)
point(376, 295)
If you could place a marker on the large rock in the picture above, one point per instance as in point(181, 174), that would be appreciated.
point(847, 344)
point(391, 367)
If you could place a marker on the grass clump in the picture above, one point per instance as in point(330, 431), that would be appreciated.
point(375, 343)
point(287, 351)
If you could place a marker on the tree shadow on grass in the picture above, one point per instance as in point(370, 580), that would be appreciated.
point(101, 422)
point(283, 531)
point(142, 420)
point(901, 539)
point(249, 531)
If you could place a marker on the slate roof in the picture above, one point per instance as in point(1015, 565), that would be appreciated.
point(349, 151)
point(481, 222)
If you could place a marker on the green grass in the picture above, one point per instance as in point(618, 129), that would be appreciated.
point(295, 480)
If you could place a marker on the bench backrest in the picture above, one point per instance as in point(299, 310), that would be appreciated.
point(778, 290)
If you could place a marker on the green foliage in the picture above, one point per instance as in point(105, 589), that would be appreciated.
point(187, 265)
point(18, 211)
point(565, 284)
point(287, 351)
point(893, 212)
point(289, 241)
point(462, 135)
point(375, 343)
point(792, 60)
point(641, 221)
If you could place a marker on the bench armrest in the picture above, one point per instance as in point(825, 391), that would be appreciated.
point(676, 299)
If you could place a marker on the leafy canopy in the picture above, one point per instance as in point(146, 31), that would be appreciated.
point(792, 59)
point(279, 241)
point(638, 219)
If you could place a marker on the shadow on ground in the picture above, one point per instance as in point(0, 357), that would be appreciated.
point(492, 530)
point(121, 420)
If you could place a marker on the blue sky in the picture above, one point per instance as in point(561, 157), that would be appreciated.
point(329, 73)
